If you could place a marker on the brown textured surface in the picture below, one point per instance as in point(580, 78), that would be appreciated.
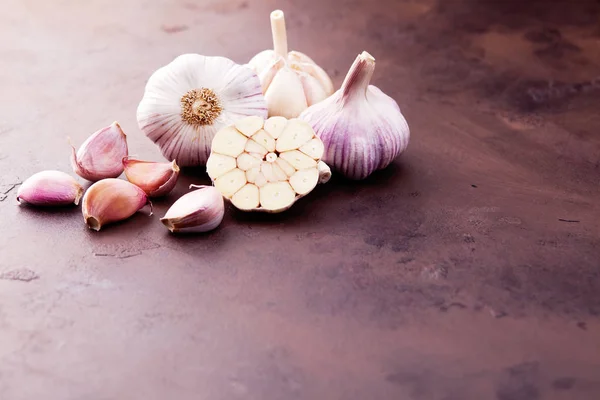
point(448, 276)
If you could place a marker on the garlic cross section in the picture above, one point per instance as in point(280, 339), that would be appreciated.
point(266, 165)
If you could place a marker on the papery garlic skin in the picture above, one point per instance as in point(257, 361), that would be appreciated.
point(155, 178)
point(362, 128)
point(199, 211)
point(50, 188)
point(187, 101)
point(290, 81)
point(112, 200)
point(101, 155)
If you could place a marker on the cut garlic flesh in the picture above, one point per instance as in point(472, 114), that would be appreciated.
point(231, 182)
point(246, 198)
point(250, 125)
point(265, 165)
point(219, 165)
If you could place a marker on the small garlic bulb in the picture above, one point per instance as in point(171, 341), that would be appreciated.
point(361, 127)
point(290, 81)
point(187, 101)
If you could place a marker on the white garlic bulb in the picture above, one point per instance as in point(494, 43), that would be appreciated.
point(187, 101)
point(290, 81)
point(361, 127)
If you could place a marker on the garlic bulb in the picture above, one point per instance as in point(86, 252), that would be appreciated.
point(155, 178)
point(186, 102)
point(199, 211)
point(112, 200)
point(290, 81)
point(50, 188)
point(361, 127)
point(266, 165)
point(101, 155)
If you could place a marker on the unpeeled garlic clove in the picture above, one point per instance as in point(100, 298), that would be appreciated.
point(112, 200)
point(155, 178)
point(199, 211)
point(50, 188)
point(101, 155)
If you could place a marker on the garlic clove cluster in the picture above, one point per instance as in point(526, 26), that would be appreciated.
point(199, 211)
point(362, 129)
point(292, 81)
point(112, 200)
point(155, 178)
point(266, 165)
point(50, 188)
point(187, 101)
point(101, 155)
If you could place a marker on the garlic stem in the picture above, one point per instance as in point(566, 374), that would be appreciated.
point(359, 76)
point(279, 34)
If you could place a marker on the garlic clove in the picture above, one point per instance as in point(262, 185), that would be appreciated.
point(264, 139)
point(304, 63)
point(285, 95)
point(187, 101)
point(275, 125)
point(111, 200)
point(298, 160)
point(260, 180)
point(50, 188)
point(101, 155)
point(250, 125)
point(277, 196)
point(155, 178)
point(201, 210)
point(269, 72)
point(246, 198)
point(267, 170)
point(313, 90)
point(263, 60)
point(252, 174)
point(230, 142)
point(295, 134)
point(231, 182)
point(245, 161)
point(254, 147)
point(219, 165)
point(285, 166)
point(362, 129)
point(313, 148)
point(278, 173)
point(305, 180)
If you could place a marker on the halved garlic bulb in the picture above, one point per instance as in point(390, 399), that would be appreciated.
point(290, 81)
point(187, 101)
point(266, 165)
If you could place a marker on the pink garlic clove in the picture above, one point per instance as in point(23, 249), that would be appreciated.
point(199, 211)
point(155, 178)
point(50, 188)
point(111, 200)
point(101, 155)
